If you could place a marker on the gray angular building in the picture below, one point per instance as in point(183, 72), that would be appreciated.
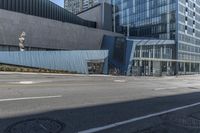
point(177, 20)
point(45, 9)
point(47, 27)
point(55, 38)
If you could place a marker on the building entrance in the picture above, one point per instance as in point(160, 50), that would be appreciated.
point(95, 66)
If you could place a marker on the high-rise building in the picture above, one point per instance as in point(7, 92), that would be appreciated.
point(89, 3)
point(177, 20)
point(76, 6)
point(145, 18)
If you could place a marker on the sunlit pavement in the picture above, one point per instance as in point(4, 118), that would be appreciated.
point(40, 103)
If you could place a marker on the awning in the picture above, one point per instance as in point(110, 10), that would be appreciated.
point(141, 42)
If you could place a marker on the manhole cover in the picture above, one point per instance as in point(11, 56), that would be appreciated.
point(41, 125)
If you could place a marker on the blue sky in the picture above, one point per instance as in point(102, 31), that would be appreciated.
point(59, 2)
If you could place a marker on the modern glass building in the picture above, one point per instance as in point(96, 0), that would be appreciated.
point(77, 6)
point(145, 18)
point(74, 6)
point(177, 20)
point(188, 32)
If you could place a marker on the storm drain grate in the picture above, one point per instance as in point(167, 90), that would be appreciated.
point(40, 125)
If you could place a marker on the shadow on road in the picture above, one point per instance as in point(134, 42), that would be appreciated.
point(78, 119)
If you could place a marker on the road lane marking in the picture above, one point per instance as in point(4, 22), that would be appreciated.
point(97, 129)
point(120, 81)
point(29, 82)
point(169, 88)
point(29, 98)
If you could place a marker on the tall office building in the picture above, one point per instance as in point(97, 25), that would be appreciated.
point(177, 20)
point(146, 18)
point(76, 6)
point(89, 3)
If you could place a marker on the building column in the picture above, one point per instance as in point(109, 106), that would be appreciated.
point(168, 68)
point(165, 48)
point(184, 68)
point(149, 50)
point(190, 67)
point(149, 66)
point(114, 19)
point(140, 56)
point(149, 62)
point(168, 19)
point(128, 23)
point(199, 67)
point(161, 52)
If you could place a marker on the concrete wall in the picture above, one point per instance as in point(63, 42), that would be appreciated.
point(47, 33)
point(101, 14)
point(93, 14)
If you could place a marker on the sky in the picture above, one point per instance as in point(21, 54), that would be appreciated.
point(59, 2)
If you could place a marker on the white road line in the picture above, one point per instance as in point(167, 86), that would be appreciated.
point(120, 81)
point(26, 82)
point(29, 98)
point(29, 82)
point(169, 88)
point(97, 129)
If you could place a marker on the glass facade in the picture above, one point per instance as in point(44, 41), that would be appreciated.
point(77, 6)
point(188, 30)
point(151, 58)
point(154, 51)
point(146, 18)
point(178, 20)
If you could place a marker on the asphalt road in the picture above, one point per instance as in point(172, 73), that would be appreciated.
point(48, 103)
